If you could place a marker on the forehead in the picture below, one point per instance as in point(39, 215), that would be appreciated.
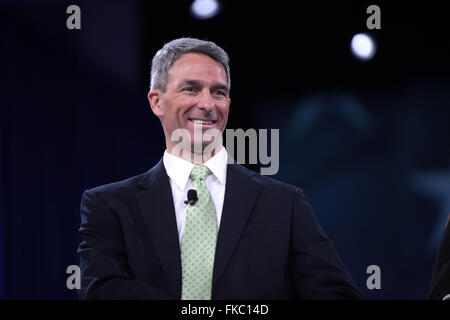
point(197, 66)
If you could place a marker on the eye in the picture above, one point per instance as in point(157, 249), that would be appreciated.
point(221, 93)
point(189, 89)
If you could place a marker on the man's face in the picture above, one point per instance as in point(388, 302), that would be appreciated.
point(197, 93)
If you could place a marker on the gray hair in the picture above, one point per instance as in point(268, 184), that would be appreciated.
point(173, 50)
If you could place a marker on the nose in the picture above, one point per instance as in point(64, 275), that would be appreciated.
point(206, 102)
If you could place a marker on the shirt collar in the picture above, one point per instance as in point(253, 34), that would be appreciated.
point(179, 169)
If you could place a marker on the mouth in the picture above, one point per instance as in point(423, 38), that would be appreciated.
point(202, 122)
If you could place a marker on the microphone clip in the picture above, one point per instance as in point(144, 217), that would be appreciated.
point(191, 197)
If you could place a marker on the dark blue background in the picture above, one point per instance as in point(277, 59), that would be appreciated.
point(368, 142)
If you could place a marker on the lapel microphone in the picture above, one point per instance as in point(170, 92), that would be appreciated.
point(191, 197)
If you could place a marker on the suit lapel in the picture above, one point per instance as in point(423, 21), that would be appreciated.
point(240, 195)
point(157, 208)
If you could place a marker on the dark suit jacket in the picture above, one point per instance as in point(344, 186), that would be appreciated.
point(440, 283)
point(269, 244)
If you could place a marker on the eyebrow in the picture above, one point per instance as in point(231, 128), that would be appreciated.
point(193, 82)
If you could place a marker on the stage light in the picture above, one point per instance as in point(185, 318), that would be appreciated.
point(204, 9)
point(363, 46)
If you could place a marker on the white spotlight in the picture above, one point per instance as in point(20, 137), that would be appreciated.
point(204, 9)
point(363, 46)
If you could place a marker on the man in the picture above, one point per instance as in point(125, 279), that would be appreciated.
point(440, 283)
point(239, 235)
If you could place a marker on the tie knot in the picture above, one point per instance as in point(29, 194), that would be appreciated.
point(199, 173)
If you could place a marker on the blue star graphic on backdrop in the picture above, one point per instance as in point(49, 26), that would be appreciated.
point(345, 105)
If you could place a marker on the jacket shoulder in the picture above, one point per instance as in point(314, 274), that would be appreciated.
point(132, 184)
point(267, 181)
point(117, 188)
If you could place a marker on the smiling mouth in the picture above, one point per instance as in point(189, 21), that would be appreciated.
point(199, 121)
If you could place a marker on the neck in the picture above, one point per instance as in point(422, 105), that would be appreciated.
point(196, 158)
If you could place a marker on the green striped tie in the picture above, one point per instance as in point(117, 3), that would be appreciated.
point(199, 241)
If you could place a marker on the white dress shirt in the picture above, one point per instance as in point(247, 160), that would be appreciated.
point(179, 170)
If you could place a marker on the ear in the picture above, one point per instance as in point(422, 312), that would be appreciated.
point(154, 97)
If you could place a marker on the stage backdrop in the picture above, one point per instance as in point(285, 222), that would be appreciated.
point(366, 141)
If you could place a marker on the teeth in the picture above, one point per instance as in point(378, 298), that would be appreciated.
point(201, 121)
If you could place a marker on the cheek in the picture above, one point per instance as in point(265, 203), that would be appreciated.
point(177, 111)
point(224, 109)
